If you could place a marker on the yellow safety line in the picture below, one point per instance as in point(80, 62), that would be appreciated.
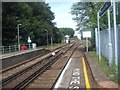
point(85, 74)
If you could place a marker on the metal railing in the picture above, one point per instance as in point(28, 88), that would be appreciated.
point(12, 48)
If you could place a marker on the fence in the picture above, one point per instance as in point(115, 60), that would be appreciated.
point(12, 48)
point(104, 37)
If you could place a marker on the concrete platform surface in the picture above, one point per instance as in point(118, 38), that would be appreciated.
point(9, 60)
point(7, 55)
point(99, 75)
point(74, 76)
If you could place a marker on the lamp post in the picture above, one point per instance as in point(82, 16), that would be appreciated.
point(47, 36)
point(18, 36)
point(58, 37)
point(51, 40)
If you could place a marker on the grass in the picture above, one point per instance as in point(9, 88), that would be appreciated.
point(110, 71)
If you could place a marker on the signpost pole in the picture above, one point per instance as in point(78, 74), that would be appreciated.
point(87, 34)
point(86, 44)
point(29, 45)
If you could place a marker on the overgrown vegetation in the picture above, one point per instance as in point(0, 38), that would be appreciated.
point(67, 31)
point(110, 71)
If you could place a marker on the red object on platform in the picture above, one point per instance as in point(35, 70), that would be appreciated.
point(23, 48)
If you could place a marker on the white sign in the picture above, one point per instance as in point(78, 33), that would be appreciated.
point(87, 34)
point(29, 40)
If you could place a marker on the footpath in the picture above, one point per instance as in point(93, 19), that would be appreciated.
point(99, 75)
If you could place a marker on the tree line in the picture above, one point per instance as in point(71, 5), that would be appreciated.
point(85, 16)
point(36, 19)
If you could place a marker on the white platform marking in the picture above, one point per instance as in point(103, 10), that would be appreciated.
point(61, 76)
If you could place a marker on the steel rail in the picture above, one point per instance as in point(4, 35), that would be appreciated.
point(5, 81)
point(23, 84)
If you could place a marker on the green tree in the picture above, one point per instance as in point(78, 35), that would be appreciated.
point(85, 14)
point(57, 35)
point(67, 31)
point(12, 14)
point(35, 17)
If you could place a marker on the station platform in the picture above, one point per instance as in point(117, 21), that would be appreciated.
point(76, 74)
point(82, 72)
point(7, 55)
point(14, 58)
point(99, 75)
point(16, 53)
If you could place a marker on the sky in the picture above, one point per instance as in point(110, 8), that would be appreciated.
point(63, 17)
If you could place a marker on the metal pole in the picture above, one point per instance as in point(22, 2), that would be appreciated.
point(3, 50)
point(110, 44)
point(58, 37)
point(15, 47)
point(115, 32)
point(51, 41)
point(29, 45)
point(96, 40)
point(47, 36)
point(18, 36)
point(99, 36)
point(9, 49)
point(86, 44)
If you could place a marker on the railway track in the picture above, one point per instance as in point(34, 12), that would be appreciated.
point(23, 77)
point(16, 68)
point(48, 79)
